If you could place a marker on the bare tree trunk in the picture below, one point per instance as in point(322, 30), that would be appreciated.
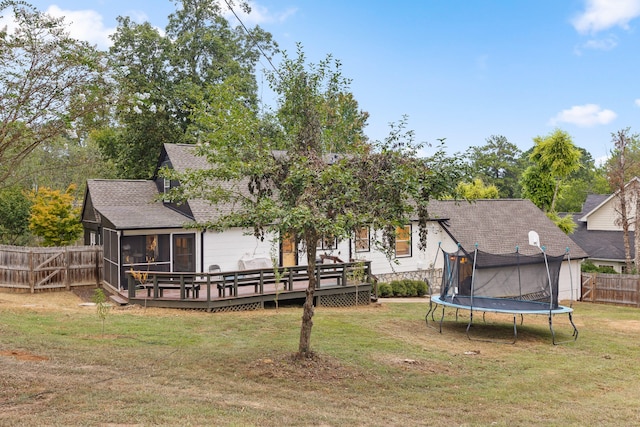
point(304, 347)
point(624, 220)
point(617, 178)
point(636, 232)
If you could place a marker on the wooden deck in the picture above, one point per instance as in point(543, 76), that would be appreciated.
point(344, 284)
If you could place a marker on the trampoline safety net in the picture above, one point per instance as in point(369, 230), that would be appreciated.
point(514, 276)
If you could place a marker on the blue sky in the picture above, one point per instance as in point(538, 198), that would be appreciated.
point(459, 69)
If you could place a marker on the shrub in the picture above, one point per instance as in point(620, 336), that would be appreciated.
point(590, 267)
point(385, 290)
point(402, 288)
point(421, 288)
point(399, 288)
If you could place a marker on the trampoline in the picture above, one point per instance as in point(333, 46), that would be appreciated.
point(513, 284)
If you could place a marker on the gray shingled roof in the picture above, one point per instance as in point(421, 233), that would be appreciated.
point(131, 204)
point(601, 244)
point(499, 225)
point(183, 158)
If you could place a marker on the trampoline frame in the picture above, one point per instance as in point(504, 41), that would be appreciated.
point(500, 305)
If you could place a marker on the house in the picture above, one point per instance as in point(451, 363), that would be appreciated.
point(598, 231)
point(139, 230)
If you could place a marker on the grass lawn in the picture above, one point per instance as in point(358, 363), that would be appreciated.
point(378, 365)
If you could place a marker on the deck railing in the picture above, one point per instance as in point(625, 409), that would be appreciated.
point(225, 284)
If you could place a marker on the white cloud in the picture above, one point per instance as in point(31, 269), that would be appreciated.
point(604, 14)
point(84, 25)
point(584, 116)
point(637, 102)
point(607, 43)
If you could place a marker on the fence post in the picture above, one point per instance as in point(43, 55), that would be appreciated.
point(32, 279)
point(67, 262)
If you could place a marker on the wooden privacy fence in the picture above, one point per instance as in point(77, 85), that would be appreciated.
point(611, 288)
point(36, 268)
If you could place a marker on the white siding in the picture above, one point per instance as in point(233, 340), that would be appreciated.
point(605, 217)
point(225, 249)
point(569, 280)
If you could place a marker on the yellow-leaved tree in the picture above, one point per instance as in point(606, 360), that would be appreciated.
point(54, 217)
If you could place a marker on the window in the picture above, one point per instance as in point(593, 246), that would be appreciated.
point(403, 241)
point(166, 187)
point(362, 240)
point(328, 243)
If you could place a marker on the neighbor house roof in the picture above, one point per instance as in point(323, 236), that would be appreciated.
point(599, 244)
point(501, 225)
point(131, 204)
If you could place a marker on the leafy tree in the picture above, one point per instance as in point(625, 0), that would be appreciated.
point(15, 210)
point(565, 223)
point(62, 162)
point(54, 217)
point(556, 156)
point(497, 163)
point(159, 77)
point(307, 191)
point(476, 190)
point(50, 84)
point(588, 179)
point(538, 186)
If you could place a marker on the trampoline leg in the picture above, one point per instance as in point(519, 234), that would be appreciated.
point(553, 334)
point(575, 330)
point(432, 311)
point(442, 319)
point(426, 318)
point(470, 322)
point(515, 329)
point(574, 334)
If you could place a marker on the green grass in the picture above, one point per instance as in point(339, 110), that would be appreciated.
point(378, 365)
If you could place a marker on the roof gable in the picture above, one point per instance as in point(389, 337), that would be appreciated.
point(128, 204)
point(589, 210)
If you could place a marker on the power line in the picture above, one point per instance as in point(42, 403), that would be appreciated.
point(255, 42)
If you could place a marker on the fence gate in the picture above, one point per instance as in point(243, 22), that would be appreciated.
point(49, 270)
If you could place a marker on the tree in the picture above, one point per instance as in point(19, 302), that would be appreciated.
point(476, 190)
point(15, 210)
point(53, 216)
point(49, 84)
point(307, 191)
point(538, 186)
point(159, 78)
point(587, 179)
point(618, 168)
point(556, 156)
point(497, 163)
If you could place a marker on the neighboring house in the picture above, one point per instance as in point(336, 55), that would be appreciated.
point(139, 230)
point(598, 229)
